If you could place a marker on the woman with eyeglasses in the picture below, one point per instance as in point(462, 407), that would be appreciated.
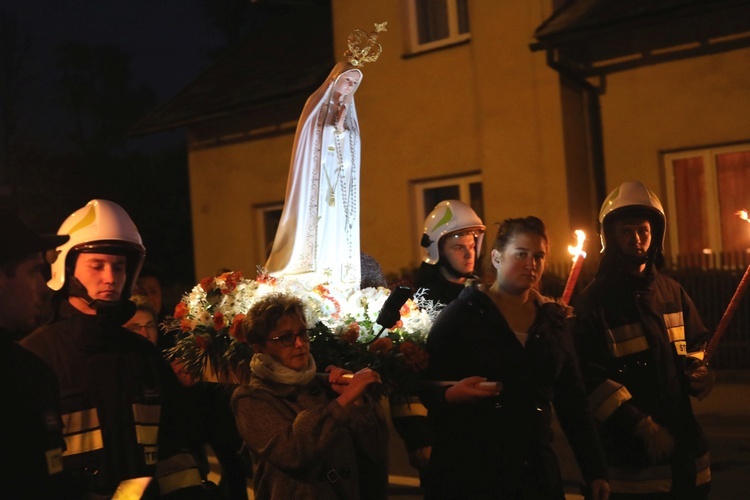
point(143, 321)
point(307, 438)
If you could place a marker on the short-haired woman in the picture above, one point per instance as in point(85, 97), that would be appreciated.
point(308, 438)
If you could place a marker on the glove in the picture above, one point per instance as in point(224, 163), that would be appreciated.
point(657, 440)
point(700, 378)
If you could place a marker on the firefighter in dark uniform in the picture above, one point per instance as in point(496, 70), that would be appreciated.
point(31, 438)
point(640, 343)
point(125, 423)
point(452, 239)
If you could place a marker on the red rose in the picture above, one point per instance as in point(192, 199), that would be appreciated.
point(181, 310)
point(236, 330)
point(351, 334)
point(231, 279)
point(207, 284)
point(218, 321)
point(382, 346)
point(266, 278)
point(415, 358)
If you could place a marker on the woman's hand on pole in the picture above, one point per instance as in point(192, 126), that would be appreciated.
point(352, 393)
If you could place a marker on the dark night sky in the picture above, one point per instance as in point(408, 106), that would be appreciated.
point(167, 41)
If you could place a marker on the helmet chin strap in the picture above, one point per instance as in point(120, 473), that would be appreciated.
point(76, 289)
point(631, 260)
point(102, 307)
point(452, 271)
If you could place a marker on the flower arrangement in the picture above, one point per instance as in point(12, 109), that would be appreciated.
point(210, 345)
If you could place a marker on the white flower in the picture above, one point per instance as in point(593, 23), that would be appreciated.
point(335, 307)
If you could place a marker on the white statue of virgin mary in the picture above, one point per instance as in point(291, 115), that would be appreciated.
point(319, 228)
point(318, 235)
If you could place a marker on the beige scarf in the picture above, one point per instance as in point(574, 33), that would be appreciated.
point(265, 367)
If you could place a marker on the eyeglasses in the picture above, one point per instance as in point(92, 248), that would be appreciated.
point(136, 327)
point(289, 339)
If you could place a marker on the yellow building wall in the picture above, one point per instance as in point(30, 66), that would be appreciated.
point(489, 105)
point(227, 183)
point(690, 104)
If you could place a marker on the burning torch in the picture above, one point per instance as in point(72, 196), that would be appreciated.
point(578, 257)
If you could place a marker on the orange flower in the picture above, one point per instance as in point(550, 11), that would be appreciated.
point(326, 294)
point(181, 310)
point(187, 325)
point(351, 334)
point(236, 330)
point(415, 358)
point(382, 346)
point(405, 310)
point(208, 284)
point(219, 321)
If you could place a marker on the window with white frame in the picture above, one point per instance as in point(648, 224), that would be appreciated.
point(707, 189)
point(435, 23)
point(428, 193)
point(268, 217)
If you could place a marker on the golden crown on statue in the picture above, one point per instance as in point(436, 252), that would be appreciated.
point(364, 47)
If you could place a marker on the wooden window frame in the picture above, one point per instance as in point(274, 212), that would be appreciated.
point(463, 181)
point(411, 28)
point(708, 155)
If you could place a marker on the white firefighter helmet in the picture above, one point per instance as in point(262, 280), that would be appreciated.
point(633, 199)
point(101, 226)
point(449, 217)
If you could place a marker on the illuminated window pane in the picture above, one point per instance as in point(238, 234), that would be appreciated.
point(733, 182)
point(692, 220)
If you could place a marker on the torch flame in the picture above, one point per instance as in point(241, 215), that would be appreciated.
point(578, 249)
point(743, 215)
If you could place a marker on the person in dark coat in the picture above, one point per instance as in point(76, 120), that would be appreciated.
point(640, 343)
point(452, 239)
point(501, 358)
point(126, 423)
point(149, 285)
point(31, 440)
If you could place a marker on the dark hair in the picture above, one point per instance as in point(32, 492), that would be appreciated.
point(143, 304)
point(510, 228)
point(264, 315)
point(372, 273)
point(152, 270)
point(461, 232)
point(636, 213)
